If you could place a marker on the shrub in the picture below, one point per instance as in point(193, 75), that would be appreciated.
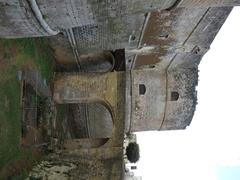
point(132, 152)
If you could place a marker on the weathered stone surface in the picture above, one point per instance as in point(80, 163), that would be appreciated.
point(100, 159)
point(148, 107)
point(107, 89)
point(97, 17)
point(17, 20)
point(208, 3)
point(180, 37)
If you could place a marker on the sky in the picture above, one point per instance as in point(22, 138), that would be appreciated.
point(209, 149)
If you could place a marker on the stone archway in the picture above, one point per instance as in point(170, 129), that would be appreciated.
point(104, 93)
point(90, 120)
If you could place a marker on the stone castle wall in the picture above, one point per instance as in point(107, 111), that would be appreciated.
point(185, 36)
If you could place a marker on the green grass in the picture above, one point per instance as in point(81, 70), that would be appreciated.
point(10, 120)
point(17, 54)
point(35, 49)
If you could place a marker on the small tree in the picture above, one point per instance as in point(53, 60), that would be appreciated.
point(132, 152)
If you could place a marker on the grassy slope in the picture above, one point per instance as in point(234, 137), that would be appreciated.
point(14, 55)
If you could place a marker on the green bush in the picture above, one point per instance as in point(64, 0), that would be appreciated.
point(132, 152)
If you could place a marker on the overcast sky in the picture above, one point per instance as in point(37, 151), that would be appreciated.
point(210, 148)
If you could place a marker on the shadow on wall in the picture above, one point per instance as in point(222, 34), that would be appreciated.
point(91, 120)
